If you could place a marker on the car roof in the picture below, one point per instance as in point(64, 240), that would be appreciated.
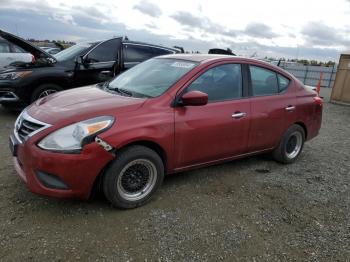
point(148, 44)
point(204, 58)
point(129, 42)
point(201, 58)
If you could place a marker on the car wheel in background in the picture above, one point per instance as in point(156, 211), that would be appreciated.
point(290, 145)
point(133, 178)
point(44, 90)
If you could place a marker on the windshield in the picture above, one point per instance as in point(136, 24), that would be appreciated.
point(73, 51)
point(153, 77)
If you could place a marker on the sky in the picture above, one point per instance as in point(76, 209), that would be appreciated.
point(291, 29)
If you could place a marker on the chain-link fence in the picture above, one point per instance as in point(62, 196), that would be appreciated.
point(310, 75)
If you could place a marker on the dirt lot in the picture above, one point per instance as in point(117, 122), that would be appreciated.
point(247, 210)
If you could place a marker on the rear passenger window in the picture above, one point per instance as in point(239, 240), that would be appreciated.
point(160, 51)
point(283, 83)
point(221, 83)
point(138, 53)
point(264, 81)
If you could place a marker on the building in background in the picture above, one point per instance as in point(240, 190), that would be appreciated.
point(341, 88)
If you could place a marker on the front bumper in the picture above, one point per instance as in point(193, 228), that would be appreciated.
point(8, 96)
point(77, 171)
point(9, 92)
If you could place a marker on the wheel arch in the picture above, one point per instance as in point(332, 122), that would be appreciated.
point(96, 185)
point(304, 127)
point(48, 80)
point(150, 144)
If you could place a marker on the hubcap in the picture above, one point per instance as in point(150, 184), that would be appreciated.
point(294, 145)
point(137, 179)
point(47, 92)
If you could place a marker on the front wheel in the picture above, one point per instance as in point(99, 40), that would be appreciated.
point(290, 145)
point(133, 177)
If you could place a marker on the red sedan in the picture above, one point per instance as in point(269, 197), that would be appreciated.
point(168, 114)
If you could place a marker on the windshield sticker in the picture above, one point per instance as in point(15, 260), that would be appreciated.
point(182, 65)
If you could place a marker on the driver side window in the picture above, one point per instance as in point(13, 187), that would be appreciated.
point(105, 52)
point(223, 82)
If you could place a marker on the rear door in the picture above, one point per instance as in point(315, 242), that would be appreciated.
point(135, 54)
point(273, 106)
point(219, 129)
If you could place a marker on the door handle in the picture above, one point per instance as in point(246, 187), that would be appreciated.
point(290, 108)
point(105, 72)
point(238, 115)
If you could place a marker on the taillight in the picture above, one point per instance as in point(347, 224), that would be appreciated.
point(33, 59)
point(318, 100)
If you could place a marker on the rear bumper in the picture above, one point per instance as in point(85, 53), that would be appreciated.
point(77, 171)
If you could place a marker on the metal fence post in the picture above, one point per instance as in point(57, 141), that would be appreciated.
point(305, 76)
point(330, 79)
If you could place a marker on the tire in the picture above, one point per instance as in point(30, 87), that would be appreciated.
point(44, 90)
point(290, 145)
point(124, 182)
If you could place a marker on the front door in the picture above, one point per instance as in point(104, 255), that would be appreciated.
point(219, 129)
point(99, 65)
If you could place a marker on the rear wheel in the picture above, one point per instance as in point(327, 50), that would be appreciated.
point(44, 90)
point(133, 177)
point(290, 145)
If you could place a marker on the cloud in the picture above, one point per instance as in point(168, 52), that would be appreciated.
point(187, 19)
point(319, 34)
point(90, 12)
point(41, 20)
point(192, 22)
point(64, 18)
point(148, 8)
point(259, 30)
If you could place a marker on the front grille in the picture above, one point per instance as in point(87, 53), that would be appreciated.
point(27, 126)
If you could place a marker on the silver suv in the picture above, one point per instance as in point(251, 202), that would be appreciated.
point(10, 53)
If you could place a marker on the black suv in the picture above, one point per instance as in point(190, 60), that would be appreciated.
point(82, 64)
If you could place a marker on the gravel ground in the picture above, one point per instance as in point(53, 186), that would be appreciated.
point(248, 210)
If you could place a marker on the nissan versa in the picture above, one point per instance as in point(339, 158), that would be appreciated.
point(165, 115)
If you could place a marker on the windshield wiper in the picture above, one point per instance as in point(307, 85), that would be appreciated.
point(122, 91)
point(118, 90)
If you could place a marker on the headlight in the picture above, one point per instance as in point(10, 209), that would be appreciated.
point(14, 75)
point(73, 137)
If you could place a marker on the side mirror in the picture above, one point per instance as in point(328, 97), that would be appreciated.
point(80, 60)
point(194, 98)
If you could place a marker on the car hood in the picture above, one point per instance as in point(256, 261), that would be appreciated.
point(30, 48)
point(81, 103)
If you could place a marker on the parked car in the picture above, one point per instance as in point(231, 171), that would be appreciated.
point(219, 51)
point(82, 64)
point(169, 114)
point(10, 53)
point(51, 50)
